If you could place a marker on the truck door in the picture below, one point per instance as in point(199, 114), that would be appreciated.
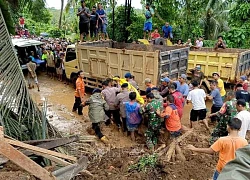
point(70, 62)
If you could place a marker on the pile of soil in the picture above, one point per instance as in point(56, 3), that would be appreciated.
point(115, 163)
point(12, 171)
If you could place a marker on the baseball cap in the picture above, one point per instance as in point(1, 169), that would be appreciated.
point(166, 79)
point(128, 75)
point(243, 78)
point(198, 68)
point(184, 76)
point(216, 73)
point(147, 80)
point(82, 1)
point(96, 91)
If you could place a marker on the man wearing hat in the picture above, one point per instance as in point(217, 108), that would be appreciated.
point(120, 100)
point(97, 107)
point(164, 87)
point(128, 77)
point(220, 85)
point(84, 14)
point(197, 75)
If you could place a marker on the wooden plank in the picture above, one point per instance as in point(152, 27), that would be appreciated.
point(55, 143)
point(23, 161)
point(53, 158)
point(41, 150)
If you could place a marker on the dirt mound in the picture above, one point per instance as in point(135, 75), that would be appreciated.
point(116, 163)
point(12, 171)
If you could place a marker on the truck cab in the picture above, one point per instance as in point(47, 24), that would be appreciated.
point(71, 63)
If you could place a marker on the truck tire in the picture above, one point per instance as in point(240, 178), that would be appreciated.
point(160, 41)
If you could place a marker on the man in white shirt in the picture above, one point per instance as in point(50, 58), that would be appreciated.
point(197, 97)
point(244, 116)
point(199, 43)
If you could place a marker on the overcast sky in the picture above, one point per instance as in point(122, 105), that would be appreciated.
point(57, 3)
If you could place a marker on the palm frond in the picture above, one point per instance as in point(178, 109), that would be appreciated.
point(19, 116)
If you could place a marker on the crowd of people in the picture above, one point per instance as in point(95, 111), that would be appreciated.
point(51, 56)
point(92, 24)
point(163, 110)
point(167, 33)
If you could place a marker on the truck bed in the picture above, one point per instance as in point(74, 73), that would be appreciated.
point(230, 63)
point(101, 60)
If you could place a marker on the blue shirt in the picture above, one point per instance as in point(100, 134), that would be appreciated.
point(184, 89)
point(101, 12)
point(217, 100)
point(149, 13)
point(167, 31)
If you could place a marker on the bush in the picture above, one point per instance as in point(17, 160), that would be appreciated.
point(56, 33)
point(208, 43)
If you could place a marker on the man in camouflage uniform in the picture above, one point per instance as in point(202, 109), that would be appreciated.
point(227, 112)
point(154, 121)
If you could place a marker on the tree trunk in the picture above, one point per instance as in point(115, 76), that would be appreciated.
point(61, 12)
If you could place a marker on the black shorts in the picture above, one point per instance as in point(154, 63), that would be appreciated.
point(198, 114)
point(51, 69)
point(84, 28)
point(93, 30)
point(215, 109)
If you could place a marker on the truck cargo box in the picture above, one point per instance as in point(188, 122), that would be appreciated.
point(230, 63)
point(100, 60)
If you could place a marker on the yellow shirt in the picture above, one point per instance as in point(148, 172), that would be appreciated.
point(221, 87)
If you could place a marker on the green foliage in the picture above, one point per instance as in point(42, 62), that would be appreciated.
point(135, 29)
point(237, 38)
point(56, 33)
point(209, 43)
point(38, 12)
point(145, 162)
point(7, 16)
point(239, 20)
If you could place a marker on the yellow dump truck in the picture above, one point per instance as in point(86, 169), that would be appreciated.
point(230, 63)
point(101, 60)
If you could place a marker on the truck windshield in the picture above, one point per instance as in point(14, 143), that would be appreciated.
point(70, 54)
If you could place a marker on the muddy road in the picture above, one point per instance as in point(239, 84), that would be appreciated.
point(115, 163)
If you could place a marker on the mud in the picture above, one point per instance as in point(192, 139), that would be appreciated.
point(114, 161)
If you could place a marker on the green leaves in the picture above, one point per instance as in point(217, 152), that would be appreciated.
point(145, 162)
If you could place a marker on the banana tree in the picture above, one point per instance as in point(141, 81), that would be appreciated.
point(214, 20)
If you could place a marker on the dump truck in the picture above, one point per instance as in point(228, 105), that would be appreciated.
point(101, 60)
point(230, 63)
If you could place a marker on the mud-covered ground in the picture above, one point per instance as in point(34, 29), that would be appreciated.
point(114, 161)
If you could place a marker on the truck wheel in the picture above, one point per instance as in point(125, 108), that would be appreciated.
point(160, 41)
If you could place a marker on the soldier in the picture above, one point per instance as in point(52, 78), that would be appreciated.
point(227, 112)
point(154, 121)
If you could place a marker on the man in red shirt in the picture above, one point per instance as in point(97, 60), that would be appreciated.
point(155, 34)
point(21, 22)
point(79, 93)
point(178, 98)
